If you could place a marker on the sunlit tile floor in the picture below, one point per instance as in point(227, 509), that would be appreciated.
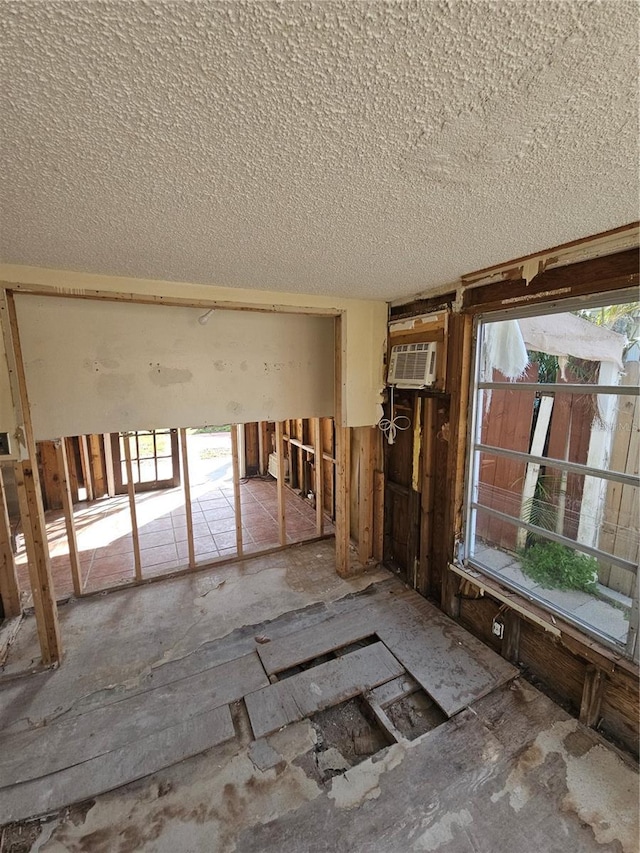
point(105, 543)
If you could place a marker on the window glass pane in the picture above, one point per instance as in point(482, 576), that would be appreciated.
point(601, 431)
point(165, 469)
point(145, 445)
point(556, 575)
point(147, 470)
point(163, 444)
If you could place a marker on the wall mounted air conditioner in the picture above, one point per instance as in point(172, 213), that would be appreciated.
point(413, 365)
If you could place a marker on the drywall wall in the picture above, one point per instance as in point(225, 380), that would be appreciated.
point(106, 367)
point(363, 333)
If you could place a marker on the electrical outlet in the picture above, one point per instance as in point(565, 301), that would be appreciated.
point(4, 444)
point(498, 629)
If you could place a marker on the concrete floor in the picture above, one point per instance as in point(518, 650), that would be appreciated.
point(511, 772)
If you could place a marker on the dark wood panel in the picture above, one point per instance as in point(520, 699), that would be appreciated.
point(600, 275)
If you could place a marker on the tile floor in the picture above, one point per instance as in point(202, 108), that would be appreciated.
point(106, 547)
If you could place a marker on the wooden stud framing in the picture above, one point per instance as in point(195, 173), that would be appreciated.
point(343, 501)
point(108, 465)
point(591, 695)
point(39, 563)
point(427, 493)
point(30, 494)
point(378, 515)
point(235, 464)
point(282, 522)
point(365, 488)
point(67, 505)
point(86, 466)
point(186, 482)
point(9, 587)
point(511, 638)
point(97, 466)
point(342, 451)
point(318, 462)
point(131, 491)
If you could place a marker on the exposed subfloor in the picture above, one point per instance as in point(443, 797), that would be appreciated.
point(501, 768)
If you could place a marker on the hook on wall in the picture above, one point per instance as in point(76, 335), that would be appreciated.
point(204, 318)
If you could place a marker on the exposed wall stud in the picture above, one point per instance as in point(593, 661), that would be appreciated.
point(282, 522)
point(131, 491)
point(30, 493)
point(186, 482)
point(318, 475)
point(235, 463)
point(9, 587)
point(67, 506)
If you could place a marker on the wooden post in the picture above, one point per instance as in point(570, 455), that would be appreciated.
point(365, 488)
point(86, 466)
point(511, 638)
point(591, 695)
point(282, 521)
point(131, 491)
point(318, 485)
point(35, 536)
point(30, 493)
point(423, 580)
point(343, 500)
point(97, 467)
point(378, 515)
point(186, 482)
point(67, 506)
point(459, 350)
point(108, 465)
point(73, 473)
point(9, 587)
point(235, 464)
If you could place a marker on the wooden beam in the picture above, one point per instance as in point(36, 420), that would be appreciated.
point(30, 493)
point(598, 275)
point(86, 466)
point(131, 491)
point(67, 506)
point(318, 485)
point(9, 586)
point(282, 523)
point(74, 292)
point(73, 470)
point(591, 696)
point(235, 464)
point(186, 482)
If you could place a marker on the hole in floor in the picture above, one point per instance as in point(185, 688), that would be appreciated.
point(415, 714)
point(346, 735)
point(309, 664)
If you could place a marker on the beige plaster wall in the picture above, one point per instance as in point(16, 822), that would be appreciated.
point(52, 339)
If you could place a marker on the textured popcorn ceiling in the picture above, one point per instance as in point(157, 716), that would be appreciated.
point(358, 148)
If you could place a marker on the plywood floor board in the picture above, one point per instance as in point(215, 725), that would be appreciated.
point(452, 666)
point(134, 761)
point(321, 687)
point(30, 755)
point(316, 640)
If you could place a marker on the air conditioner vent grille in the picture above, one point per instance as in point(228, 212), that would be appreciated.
point(413, 365)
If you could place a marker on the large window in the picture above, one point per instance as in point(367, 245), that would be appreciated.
point(553, 505)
